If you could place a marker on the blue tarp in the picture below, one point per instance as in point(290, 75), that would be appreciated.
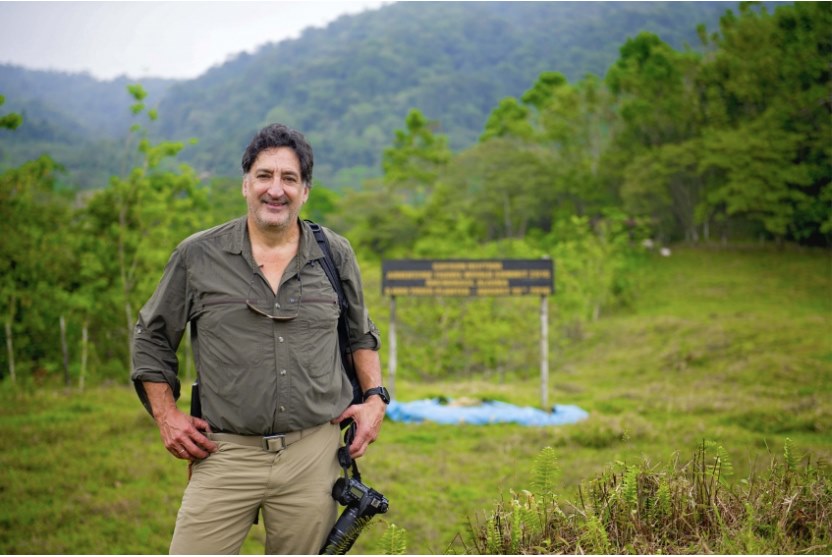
point(490, 412)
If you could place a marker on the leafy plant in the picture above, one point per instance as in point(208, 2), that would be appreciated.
point(687, 509)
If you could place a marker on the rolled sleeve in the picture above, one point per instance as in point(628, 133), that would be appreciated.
point(159, 330)
point(370, 340)
point(364, 333)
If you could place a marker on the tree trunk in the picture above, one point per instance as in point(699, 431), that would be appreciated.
point(83, 371)
point(507, 214)
point(10, 349)
point(128, 313)
point(65, 351)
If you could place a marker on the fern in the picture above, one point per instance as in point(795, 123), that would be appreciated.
point(629, 487)
point(789, 456)
point(532, 513)
point(493, 539)
point(662, 506)
point(594, 539)
point(546, 472)
point(722, 466)
point(394, 540)
point(516, 526)
point(349, 538)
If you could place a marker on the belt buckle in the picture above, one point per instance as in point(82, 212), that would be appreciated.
point(269, 443)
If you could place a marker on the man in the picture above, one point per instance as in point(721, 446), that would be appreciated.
point(263, 319)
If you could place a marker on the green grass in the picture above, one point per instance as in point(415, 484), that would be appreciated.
point(728, 345)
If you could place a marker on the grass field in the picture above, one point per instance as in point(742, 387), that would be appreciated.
point(730, 345)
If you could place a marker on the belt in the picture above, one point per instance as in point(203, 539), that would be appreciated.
point(269, 443)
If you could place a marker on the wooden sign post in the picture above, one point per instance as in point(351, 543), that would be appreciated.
point(471, 277)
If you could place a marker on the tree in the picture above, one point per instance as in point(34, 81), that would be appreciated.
point(392, 206)
point(766, 97)
point(11, 120)
point(132, 225)
point(32, 218)
point(755, 172)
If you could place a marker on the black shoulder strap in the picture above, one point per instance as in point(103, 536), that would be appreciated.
point(331, 270)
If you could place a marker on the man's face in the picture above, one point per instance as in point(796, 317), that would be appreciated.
point(274, 190)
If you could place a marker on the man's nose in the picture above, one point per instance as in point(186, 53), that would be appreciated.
point(276, 187)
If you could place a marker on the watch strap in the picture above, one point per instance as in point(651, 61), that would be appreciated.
point(380, 391)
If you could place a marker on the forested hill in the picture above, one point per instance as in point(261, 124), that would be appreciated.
point(348, 86)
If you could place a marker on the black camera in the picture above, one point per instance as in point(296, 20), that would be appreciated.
point(362, 503)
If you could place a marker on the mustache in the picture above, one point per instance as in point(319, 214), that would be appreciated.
point(266, 198)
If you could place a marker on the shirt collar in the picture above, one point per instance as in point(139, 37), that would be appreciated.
point(308, 250)
point(238, 238)
point(238, 241)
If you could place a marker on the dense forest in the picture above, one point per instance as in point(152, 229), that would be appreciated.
point(348, 86)
point(727, 143)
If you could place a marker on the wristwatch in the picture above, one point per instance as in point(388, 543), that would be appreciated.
point(380, 391)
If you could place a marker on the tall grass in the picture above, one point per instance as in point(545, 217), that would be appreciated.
point(681, 508)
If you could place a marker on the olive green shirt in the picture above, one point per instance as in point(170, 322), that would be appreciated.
point(266, 363)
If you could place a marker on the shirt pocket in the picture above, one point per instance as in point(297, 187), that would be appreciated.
point(231, 336)
point(318, 336)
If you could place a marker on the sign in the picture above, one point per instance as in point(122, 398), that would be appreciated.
point(467, 277)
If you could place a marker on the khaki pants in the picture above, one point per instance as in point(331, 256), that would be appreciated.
point(293, 488)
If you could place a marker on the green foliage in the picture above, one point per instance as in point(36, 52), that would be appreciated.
point(722, 468)
point(34, 266)
point(510, 118)
point(392, 208)
point(91, 265)
point(640, 510)
point(9, 121)
point(546, 473)
point(394, 540)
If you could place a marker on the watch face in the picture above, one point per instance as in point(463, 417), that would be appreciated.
point(385, 396)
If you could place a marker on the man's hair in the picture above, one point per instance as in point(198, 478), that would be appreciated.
point(278, 135)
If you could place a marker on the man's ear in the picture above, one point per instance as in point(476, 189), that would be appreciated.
point(244, 186)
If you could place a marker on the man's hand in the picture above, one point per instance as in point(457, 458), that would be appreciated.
point(367, 418)
point(183, 437)
point(181, 433)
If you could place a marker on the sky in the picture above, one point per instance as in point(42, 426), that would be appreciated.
point(153, 39)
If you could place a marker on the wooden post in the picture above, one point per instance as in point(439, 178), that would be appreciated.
point(391, 357)
point(544, 352)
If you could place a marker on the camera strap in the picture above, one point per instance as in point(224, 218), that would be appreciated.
point(344, 457)
point(344, 341)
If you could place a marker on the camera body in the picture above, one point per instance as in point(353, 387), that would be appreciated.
point(362, 503)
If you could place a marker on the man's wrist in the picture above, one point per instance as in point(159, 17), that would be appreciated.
point(377, 392)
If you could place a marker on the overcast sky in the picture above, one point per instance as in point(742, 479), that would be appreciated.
point(152, 39)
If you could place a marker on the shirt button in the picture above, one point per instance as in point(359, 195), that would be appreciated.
point(282, 372)
point(280, 339)
point(282, 408)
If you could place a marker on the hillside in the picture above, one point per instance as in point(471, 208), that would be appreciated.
point(348, 85)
